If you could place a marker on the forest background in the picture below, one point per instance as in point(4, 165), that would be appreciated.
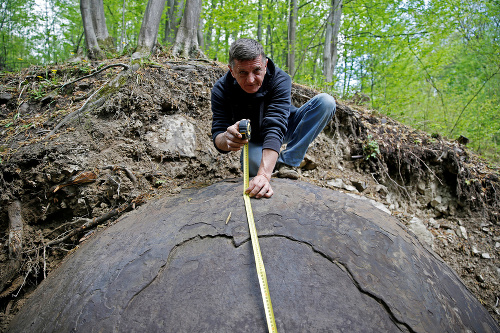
point(431, 64)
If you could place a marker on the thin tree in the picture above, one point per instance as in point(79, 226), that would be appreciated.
point(104, 40)
point(149, 28)
point(210, 27)
point(259, 23)
point(174, 15)
point(186, 40)
point(122, 38)
point(330, 53)
point(93, 49)
point(292, 29)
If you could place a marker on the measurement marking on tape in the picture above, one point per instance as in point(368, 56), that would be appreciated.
point(259, 263)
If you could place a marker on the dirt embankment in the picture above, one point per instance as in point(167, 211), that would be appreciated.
point(144, 132)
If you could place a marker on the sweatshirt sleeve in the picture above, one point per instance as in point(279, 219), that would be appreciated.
point(221, 114)
point(275, 120)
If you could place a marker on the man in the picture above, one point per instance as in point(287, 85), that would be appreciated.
point(256, 89)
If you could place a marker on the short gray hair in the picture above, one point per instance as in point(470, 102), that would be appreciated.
point(245, 49)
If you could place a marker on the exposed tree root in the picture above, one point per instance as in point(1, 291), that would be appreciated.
point(129, 173)
point(95, 73)
point(15, 230)
point(11, 268)
point(87, 105)
point(92, 223)
point(91, 102)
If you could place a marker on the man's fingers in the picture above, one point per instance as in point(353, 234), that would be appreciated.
point(234, 143)
point(259, 187)
point(233, 138)
point(233, 130)
point(259, 192)
point(263, 192)
point(269, 193)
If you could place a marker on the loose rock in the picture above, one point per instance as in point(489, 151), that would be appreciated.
point(5, 98)
point(419, 229)
point(359, 185)
point(462, 232)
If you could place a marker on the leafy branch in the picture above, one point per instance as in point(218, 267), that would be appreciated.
point(429, 79)
point(472, 98)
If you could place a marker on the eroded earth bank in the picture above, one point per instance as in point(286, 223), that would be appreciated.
point(77, 155)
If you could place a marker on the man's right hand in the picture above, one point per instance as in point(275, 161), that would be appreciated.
point(231, 139)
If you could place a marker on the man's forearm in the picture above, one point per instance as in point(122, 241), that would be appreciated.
point(269, 158)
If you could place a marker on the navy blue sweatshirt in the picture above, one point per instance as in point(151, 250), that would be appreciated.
point(268, 109)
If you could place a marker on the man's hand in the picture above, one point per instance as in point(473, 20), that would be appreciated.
point(231, 139)
point(259, 187)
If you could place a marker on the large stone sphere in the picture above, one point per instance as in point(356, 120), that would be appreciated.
point(334, 263)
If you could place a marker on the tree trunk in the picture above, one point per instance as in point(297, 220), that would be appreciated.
point(101, 30)
point(331, 38)
point(337, 15)
point(186, 40)
point(170, 22)
point(200, 34)
point(292, 28)
point(210, 29)
point(178, 13)
point(46, 18)
point(174, 16)
point(318, 54)
point(122, 39)
point(269, 34)
point(149, 28)
point(259, 24)
point(93, 49)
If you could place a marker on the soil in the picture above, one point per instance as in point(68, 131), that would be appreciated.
point(110, 157)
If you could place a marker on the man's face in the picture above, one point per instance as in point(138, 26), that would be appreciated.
point(249, 73)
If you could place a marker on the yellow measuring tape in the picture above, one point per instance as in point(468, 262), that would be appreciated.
point(244, 128)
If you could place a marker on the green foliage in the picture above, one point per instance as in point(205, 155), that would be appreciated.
point(38, 92)
point(434, 65)
point(134, 11)
point(370, 148)
point(228, 20)
point(85, 68)
point(15, 23)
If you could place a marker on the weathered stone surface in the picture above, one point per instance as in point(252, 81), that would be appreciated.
point(5, 97)
point(436, 201)
point(175, 136)
point(421, 188)
point(334, 264)
point(382, 190)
